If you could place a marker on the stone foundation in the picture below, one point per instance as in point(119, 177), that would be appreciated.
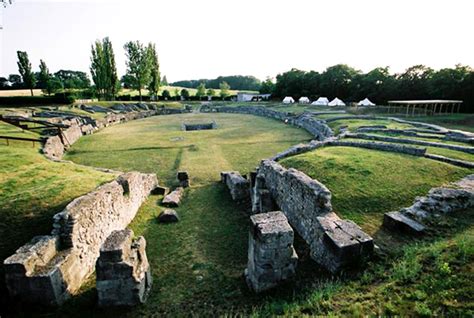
point(457, 196)
point(49, 269)
point(205, 126)
point(271, 256)
point(334, 243)
point(239, 187)
point(123, 276)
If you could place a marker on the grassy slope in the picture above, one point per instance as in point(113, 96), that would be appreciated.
point(353, 124)
point(367, 183)
point(454, 121)
point(33, 189)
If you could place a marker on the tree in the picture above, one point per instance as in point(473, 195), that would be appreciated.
point(103, 69)
point(166, 94)
point(176, 93)
point(211, 92)
point(24, 67)
point(44, 76)
point(15, 81)
point(73, 79)
point(337, 81)
point(4, 83)
point(53, 85)
point(267, 86)
point(413, 84)
point(127, 81)
point(224, 87)
point(154, 85)
point(201, 90)
point(164, 81)
point(138, 65)
point(185, 94)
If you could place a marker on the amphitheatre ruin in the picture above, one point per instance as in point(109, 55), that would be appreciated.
point(254, 200)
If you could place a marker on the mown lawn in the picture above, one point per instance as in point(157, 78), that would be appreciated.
point(367, 183)
point(353, 124)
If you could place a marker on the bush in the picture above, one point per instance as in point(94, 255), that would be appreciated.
point(20, 101)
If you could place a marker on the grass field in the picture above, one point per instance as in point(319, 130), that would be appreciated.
point(197, 263)
point(367, 183)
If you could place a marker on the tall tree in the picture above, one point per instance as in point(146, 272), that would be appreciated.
point(224, 87)
point(44, 77)
point(267, 86)
point(24, 67)
point(211, 92)
point(103, 69)
point(201, 90)
point(164, 81)
point(155, 81)
point(138, 64)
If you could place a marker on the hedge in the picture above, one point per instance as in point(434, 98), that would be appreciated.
point(19, 101)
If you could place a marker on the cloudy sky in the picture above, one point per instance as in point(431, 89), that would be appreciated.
point(205, 38)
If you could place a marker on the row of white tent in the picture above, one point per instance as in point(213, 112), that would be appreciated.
point(323, 101)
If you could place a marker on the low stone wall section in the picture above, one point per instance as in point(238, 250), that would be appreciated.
point(380, 146)
point(466, 149)
point(239, 187)
point(334, 243)
point(123, 275)
point(51, 268)
point(271, 256)
point(457, 196)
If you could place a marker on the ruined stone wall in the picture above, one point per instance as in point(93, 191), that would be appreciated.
point(315, 127)
point(380, 146)
point(51, 268)
point(334, 243)
point(123, 275)
point(239, 187)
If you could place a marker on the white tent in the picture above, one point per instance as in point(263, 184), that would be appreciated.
point(288, 100)
point(322, 101)
point(336, 102)
point(365, 102)
point(303, 100)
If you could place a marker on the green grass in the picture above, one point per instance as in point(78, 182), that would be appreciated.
point(454, 121)
point(33, 189)
point(367, 183)
point(353, 124)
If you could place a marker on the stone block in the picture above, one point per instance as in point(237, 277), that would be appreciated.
point(396, 221)
point(124, 281)
point(168, 216)
point(183, 179)
point(174, 198)
point(271, 256)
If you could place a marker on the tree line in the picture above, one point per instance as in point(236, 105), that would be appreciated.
point(379, 85)
point(237, 82)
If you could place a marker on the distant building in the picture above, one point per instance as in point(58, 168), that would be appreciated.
point(249, 97)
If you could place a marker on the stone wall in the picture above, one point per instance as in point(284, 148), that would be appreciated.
point(334, 243)
point(123, 275)
point(271, 256)
point(439, 201)
point(239, 187)
point(380, 146)
point(51, 268)
point(466, 149)
point(315, 127)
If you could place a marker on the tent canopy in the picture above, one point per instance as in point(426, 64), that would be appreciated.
point(365, 102)
point(304, 100)
point(336, 102)
point(288, 100)
point(321, 101)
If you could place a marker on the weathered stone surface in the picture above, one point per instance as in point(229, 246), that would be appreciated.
point(123, 276)
point(457, 196)
point(307, 205)
point(399, 222)
point(456, 162)
point(174, 198)
point(239, 186)
point(160, 190)
point(53, 148)
point(50, 275)
point(183, 179)
point(168, 216)
point(379, 146)
point(271, 256)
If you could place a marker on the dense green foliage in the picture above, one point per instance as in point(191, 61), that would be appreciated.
point(103, 69)
point(347, 83)
point(155, 78)
point(237, 82)
point(24, 67)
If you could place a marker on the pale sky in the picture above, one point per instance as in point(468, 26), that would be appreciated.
point(205, 39)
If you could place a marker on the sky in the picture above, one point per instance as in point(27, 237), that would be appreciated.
point(208, 38)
